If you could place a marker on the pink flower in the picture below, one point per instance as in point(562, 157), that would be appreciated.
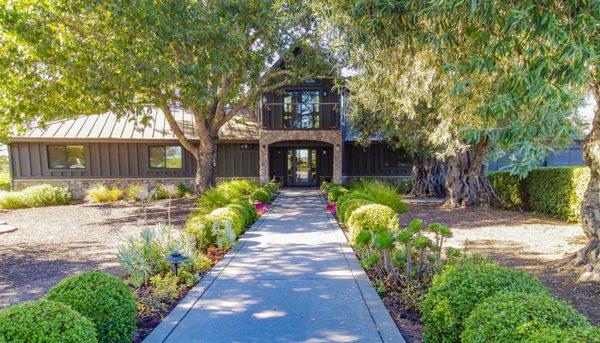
point(261, 208)
point(331, 208)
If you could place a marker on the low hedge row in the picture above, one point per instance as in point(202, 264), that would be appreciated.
point(90, 307)
point(556, 191)
point(231, 202)
point(475, 300)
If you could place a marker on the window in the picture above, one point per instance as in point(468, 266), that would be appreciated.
point(166, 157)
point(301, 109)
point(66, 157)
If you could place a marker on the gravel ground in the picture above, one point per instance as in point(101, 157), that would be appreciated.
point(521, 240)
point(55, 242)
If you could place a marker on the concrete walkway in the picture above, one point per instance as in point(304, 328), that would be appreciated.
point(291, 278)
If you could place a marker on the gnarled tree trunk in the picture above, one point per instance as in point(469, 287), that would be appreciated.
point(436, 179)
point(466, 180)
point(428, 177)
point(589, 256)
point(420, 173)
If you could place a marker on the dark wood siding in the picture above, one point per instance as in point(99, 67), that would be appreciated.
point(379, 159)
point(29, 160)
point(329, 108)
point(237, 160)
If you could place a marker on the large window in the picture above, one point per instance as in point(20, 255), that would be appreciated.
point(66, 157)
point(301, 109)
point(166, 157)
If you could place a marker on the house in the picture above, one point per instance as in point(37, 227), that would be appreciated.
point(298, 136)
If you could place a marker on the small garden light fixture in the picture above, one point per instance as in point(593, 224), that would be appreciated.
point(175, 259)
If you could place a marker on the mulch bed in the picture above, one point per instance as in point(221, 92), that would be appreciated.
point(51, 243)
point(526, 241)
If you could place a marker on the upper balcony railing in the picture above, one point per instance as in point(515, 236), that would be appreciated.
point(300, 116)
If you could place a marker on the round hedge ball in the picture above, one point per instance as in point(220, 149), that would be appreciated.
point(517, 316)
point(460, 287)
point(104, 299)
point(45, 321)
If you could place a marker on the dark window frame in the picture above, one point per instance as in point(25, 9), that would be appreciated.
point(292, 114)
point(164, 147)
point(65, 146)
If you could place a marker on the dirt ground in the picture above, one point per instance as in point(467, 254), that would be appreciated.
point(525, 241)
point(55, 242)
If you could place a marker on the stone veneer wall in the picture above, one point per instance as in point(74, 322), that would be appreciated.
point(79, 186)
point(268, 137)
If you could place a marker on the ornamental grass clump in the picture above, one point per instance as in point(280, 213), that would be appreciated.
point(35, 196)
point(517, 316)
point(102, 194)
point(45, 321)
point(460, 287)
point(102, 298)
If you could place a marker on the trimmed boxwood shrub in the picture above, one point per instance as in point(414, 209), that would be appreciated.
point(45, 321)
point(556, 191)
point(231, 213)
point(373, 218)
point(515, 316)
point(349, 207)
point(509, 188)
point(460, 287)
point(104, 299)
point(261, 195)
point(199, 224)
point(248, 211)
point(567, 335)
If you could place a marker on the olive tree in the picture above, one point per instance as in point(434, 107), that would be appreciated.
point(63, 58)
point(517, 70)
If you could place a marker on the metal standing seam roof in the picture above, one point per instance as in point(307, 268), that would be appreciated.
point(109, 126)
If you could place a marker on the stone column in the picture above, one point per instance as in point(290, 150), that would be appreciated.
point(337, 163)
point(263, 162)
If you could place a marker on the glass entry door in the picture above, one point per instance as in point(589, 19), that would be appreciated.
point(302, 167)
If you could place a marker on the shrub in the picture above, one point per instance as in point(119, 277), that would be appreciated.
point(143, 255)
point(460, 287)
point(212, 198)
point(199, 225)
point(261, 195)
point(4, 180)
point(104, 299)
point(567, 335)
point(326, 186)
point(100, 193)
point(184, 190)
point(404, 186)
point(509, 189)
point(335, 192)
point(237, 189)
point(514, 316)
point(247, 210)
point(35, 196)
point(231, 213)
point(382, 193)
point(349, 206)
point(136, 192)
point(373, 218)
point(161, 292)
point(555, 191)
point(272, 187)
point(45, 321)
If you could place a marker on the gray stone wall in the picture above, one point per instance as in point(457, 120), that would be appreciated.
point(268, 137)
point(79, 186)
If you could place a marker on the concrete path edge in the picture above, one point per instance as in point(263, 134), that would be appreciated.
point(167, 325)
point(388, 330)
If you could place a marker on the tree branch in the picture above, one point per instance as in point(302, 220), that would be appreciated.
point(187, 144)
